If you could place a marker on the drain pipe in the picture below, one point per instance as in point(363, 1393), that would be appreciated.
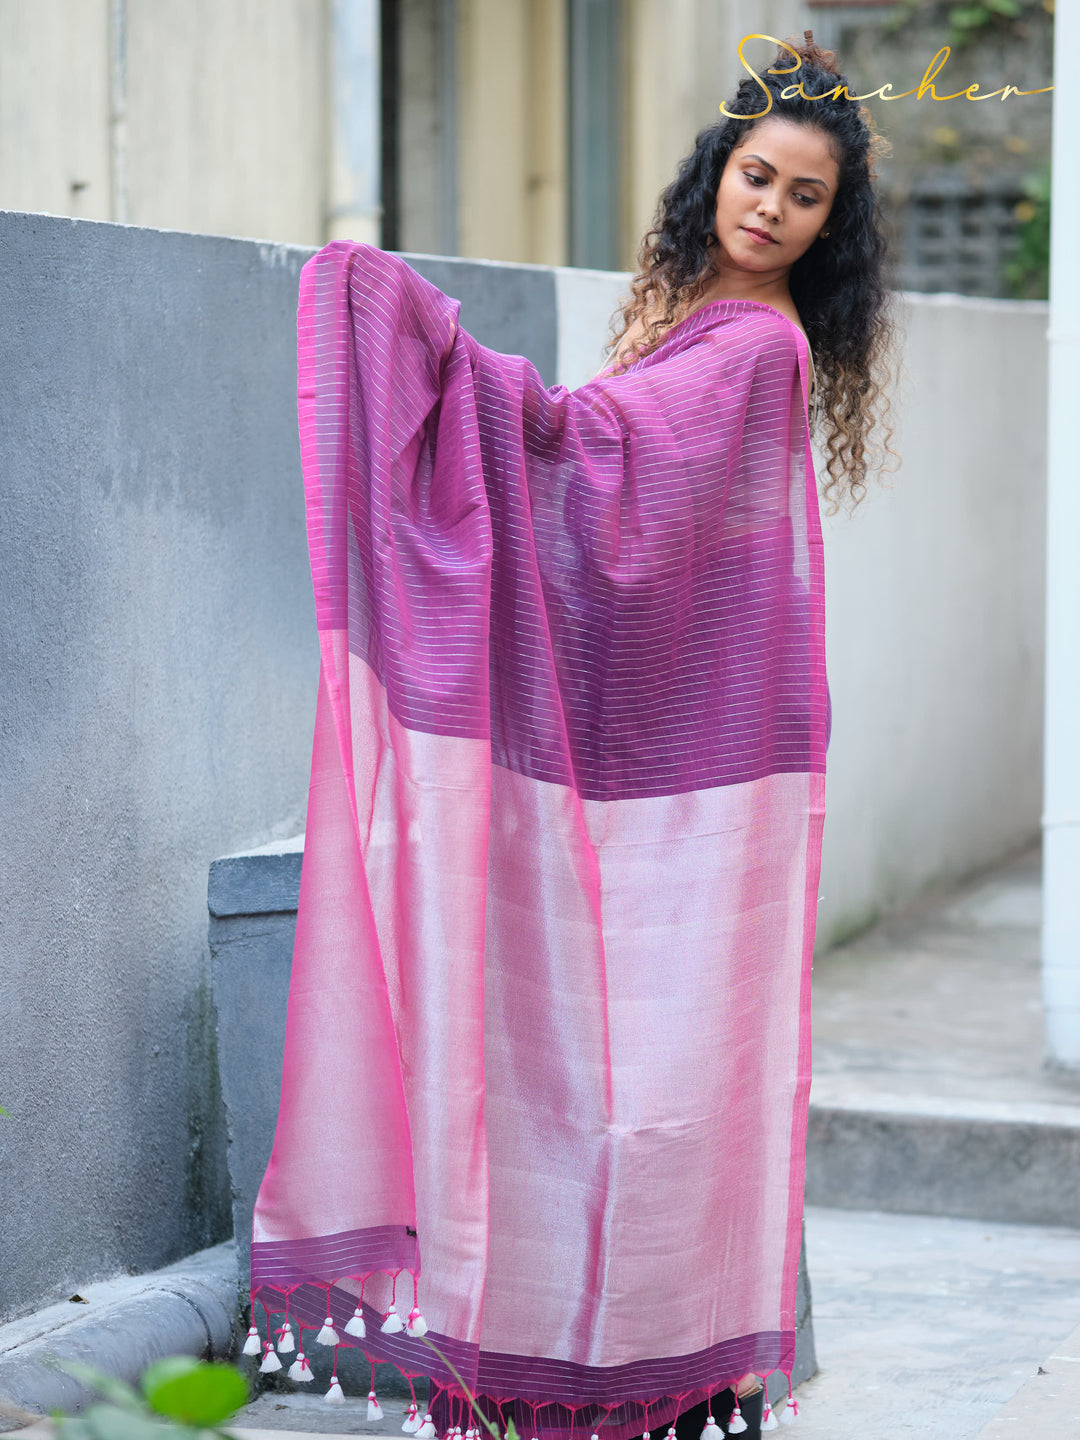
point(1061, 805)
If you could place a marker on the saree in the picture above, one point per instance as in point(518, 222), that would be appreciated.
point(544, 1097)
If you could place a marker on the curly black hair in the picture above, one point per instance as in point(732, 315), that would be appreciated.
point(838, 285)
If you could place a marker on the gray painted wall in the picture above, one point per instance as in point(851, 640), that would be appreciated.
point(160, 663)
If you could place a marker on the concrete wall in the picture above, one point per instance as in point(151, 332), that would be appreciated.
point(160, 665)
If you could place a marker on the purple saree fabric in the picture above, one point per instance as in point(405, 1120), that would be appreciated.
point(548, 1027)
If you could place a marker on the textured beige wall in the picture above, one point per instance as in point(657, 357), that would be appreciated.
point(512, 130)
point(681, 61)
point(194, 116)
point(54, 107)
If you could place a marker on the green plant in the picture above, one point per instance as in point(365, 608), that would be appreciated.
point(180, 1397)
point(1027, 273)
point(966, 21)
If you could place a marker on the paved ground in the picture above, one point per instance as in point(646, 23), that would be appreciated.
point(941, 1001)
point(926, 1326)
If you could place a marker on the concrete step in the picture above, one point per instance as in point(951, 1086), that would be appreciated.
point(930, 1092)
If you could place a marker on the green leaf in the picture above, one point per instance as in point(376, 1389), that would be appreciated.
point(97, 1380)
point(1009, 8)
point(194, 1393)
point(112, 1422)
point(162, 1371)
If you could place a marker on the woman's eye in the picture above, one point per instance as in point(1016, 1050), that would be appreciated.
point(806, 199)
point(756, 179)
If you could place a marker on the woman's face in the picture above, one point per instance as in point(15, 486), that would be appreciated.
point(774, 196)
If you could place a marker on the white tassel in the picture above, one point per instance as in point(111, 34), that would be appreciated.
point(712, 1431)
point(427, 1430)
point(646, 1435)
point(671, 1433)
point(286, 1343)
point(790, 1412)
point(300, 1369)
point(252, 1345)
point(768, 1417)
point(327, 1335)
point(416, 1325)
point(270, 1362)
point(411, 1422)
point(335, 1395)
point(374, 1409)
point(356, 1325)
point(736, 1425)
point(392, 1322)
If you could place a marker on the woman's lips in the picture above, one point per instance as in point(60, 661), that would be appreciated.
point(762, 237)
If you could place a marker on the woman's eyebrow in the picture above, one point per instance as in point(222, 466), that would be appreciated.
point(799, 179)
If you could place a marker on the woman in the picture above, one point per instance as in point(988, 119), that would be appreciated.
point(548, 1028)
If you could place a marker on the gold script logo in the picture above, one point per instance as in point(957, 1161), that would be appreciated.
point(924, 88)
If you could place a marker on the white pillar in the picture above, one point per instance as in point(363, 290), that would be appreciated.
point(1061, 805)
point(354, 211)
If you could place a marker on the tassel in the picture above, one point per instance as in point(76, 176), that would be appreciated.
point(712, 1431)
point(768, 1417)
point(356, 1325)
point(791, 1412)
point(300, 1369)
point(327, 1335)
point(412, 1420)
point(392, 1321)
point(374, 1409)
point(252, 1345)
point(736, 1425)
point(285, 1343)
point(416, 1324)
point(427, 1430)
point(270, 1362)
point(335, 1395)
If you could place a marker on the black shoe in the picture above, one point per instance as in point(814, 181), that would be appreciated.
point(751, 1408)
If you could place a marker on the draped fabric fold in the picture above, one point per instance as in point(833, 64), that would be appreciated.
point(548, 1026)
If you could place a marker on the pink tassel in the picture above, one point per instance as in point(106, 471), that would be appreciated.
point(335, 1395)
point(286, 1344)
point(252, 1345)
point(790, 1412)
point(270, 1362)
point(356, 1325)
point(374, 1409)
point(300, 1369)
point(416, 1324)
point(392, 1322)
point(327, 1335)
